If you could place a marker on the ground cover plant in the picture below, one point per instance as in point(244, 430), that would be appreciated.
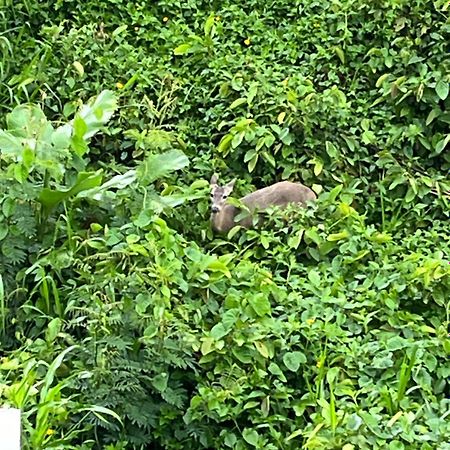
point(126, 323)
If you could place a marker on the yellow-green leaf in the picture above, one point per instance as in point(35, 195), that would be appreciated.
point(238, 102)
point(182, 49)
point(78, 67)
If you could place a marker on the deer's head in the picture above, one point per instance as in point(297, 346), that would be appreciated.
point(219, 194)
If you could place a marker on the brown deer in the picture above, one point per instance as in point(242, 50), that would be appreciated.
point(279, 194)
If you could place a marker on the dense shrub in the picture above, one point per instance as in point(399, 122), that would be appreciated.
point(126, 324)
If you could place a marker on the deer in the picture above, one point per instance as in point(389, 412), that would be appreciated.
point(223, 214)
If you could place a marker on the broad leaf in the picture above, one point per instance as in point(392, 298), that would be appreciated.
point(158, 166)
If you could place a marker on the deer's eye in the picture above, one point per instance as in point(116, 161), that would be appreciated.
point(225, 196)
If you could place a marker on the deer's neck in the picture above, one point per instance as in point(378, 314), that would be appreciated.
point(223, 221)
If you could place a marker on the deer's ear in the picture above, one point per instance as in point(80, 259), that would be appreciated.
point(214, 180)
point(229, 187)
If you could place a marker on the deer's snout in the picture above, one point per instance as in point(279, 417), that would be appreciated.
point(215, 209)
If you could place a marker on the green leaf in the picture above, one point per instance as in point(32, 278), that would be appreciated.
point(381, 79)
point(314, 277)
point(432, 115)
point(335, 192)
point(207, 345)
point(53, 328)
point(218, 331)
point(230, 439)
point(295, 239)
point(269, 158)
point(274, 369)
point(442, 89)
point(410, 195)
point(340, 53)
point(262, 349)
point(79, 127)
point(229, 318)
point(209, 23)
point(292, 360)
point(78, 67)
point(225, 143)
point(250, 436)
point(98, 111)
point(160, 381)
point(440, 146)
point(237, 139)
point(119, 30)
point(338, 236)
point(219, 266)
point(238, 102)
point(318, 167)
point(27, 121)
point(10, 145)
point(252, 163)
point(182, 49)
point(269, 139)
point(260, 304)
point(155, 167)
point(85, 180)
point(354, 422)
point(117, 182)
point(331, 149)
point(311, 233)
point(3, 230)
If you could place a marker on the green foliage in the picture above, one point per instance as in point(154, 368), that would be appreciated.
point(48, 419)
point(126, 323)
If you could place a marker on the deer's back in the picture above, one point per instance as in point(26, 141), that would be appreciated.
point(278, 194)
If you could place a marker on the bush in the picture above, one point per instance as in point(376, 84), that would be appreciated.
point(126, 323)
